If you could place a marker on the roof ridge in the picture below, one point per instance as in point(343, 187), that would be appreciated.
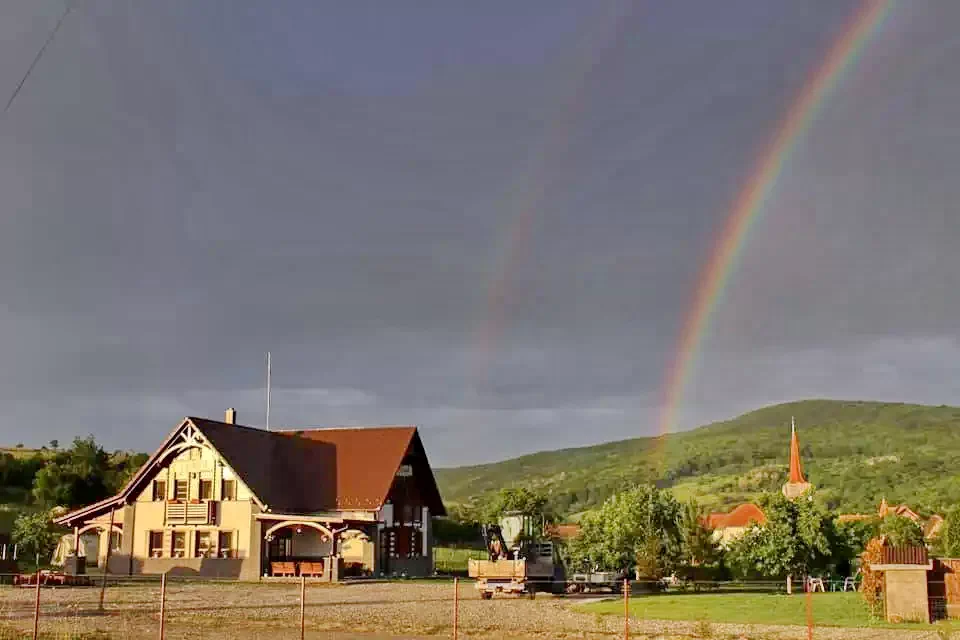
point(232, 425)
point(347, 428)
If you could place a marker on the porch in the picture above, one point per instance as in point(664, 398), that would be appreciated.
point(295, 546)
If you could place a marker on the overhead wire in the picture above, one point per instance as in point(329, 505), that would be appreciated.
point(53, 33)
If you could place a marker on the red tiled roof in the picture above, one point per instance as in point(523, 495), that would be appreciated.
point(742, 516)
point(367, 460)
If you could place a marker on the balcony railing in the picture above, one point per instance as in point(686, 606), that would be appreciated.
point(191, 512)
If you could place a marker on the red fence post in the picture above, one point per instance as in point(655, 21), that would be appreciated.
point(303, 601)
point(456, 606)
point(626, 609)
point(36, 609)
point(163, 600)
point(809, 614)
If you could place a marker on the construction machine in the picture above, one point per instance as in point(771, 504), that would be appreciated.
point(519, 560)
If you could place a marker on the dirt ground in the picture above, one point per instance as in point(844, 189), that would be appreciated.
point(373, 611)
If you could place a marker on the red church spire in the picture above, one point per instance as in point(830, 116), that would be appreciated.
point(796, 484)
point(796, 471)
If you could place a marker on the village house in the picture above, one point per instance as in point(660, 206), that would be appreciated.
point(222, 499)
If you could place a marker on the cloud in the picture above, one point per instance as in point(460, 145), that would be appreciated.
point(186, 188)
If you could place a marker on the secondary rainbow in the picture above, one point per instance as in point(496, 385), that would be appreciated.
point(749, 204)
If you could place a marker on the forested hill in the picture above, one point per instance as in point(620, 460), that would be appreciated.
point(855, 453)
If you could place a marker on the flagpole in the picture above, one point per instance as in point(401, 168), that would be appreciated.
point(268, 391)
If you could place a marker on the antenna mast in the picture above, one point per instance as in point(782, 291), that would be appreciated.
point(268, 391)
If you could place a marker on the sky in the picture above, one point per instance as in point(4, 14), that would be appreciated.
point(485, 219)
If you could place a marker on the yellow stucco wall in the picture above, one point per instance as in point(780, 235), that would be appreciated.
point(905, 595)
point(147, 515)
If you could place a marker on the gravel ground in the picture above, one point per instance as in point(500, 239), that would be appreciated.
point(373, 611)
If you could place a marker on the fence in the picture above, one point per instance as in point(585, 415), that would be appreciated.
point(182, 606)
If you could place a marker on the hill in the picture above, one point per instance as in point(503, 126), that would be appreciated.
point(855, 453)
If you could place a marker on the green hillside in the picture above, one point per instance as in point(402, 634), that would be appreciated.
point(855, 453)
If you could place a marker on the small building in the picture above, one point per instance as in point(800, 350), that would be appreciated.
point(727, 527)
point(905, 576)
point(931, 526)
point(222, 499)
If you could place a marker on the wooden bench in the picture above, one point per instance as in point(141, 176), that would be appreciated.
point(311, 569)
point(287, 569)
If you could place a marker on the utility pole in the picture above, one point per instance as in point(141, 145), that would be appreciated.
point(268, 391)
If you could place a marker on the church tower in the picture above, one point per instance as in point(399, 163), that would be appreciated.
point(796, 485)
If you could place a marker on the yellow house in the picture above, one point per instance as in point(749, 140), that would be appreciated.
point(222, 499)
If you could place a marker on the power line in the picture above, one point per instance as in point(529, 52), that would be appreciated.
point(66, 11)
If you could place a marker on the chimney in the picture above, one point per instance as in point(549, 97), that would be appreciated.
point(231, 416)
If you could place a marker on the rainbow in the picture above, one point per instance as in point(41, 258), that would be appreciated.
point(749, 205)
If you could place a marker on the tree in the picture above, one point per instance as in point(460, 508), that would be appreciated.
point(35, 533)
point(699, 547)
point(54, 444)
point(948, 542)
point(638, 529)
point(521, 501)
point(795, 539)
point(76, 476)
point(901, 531)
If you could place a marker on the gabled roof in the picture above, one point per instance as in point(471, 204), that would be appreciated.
point(367, 459)
point(303, 471)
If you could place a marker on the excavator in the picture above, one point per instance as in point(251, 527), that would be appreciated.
point(518, 562)
point(521, 562)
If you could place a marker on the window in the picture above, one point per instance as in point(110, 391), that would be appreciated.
point(206, 489)
point(178, 544)
point(228, 490)
point(156, 544)
point(180, 489)
point(114, 541)
point(159, 490)
point(204, 545)
point(225, 544)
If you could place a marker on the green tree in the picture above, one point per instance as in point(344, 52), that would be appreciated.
point(35, 533)
point(901, 531)
point(75, 477)
point(699, 547)
point(638, 529)
point(948, 542)
point(795, 540)
point(519, 501)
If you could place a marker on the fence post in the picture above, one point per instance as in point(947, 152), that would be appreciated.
point(303, 600)
point(36, 609)
point(163, 600)
point(626, 609)
point(456, 606)
point(809, 614)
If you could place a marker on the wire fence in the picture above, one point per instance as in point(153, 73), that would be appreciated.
point(189, 607)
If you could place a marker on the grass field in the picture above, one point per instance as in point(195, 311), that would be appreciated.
point(454, 560)
point(828, 609)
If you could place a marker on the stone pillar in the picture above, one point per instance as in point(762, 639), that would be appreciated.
point(905, 594)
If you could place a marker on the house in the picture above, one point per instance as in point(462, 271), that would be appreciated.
point(931, 526)
point(727, 527)
point(222, 499)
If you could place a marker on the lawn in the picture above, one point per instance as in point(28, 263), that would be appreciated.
point(453, 559)
point(829, 609)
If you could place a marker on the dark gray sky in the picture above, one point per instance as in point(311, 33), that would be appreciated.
point(486, 219)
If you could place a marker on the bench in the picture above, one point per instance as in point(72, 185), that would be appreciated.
point(287, 569)
point(311, 569)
